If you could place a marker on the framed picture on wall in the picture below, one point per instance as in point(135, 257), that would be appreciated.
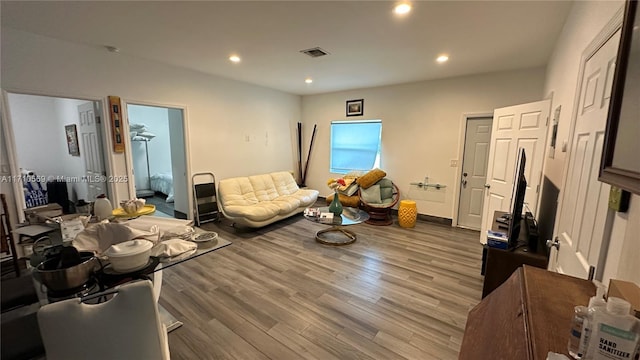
point(72, 139)
point(355, 107)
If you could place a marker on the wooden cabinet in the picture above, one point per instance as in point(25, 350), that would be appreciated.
point(500, 264)
point(526, 317)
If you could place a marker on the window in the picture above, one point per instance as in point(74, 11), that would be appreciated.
point(355, 145)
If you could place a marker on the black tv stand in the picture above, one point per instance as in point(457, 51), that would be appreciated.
point(499, 264)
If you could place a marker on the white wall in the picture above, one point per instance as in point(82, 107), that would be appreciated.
point(221, 114)
point(421, 127)
point(586, 20)
point(38, 124)
point(39, 137)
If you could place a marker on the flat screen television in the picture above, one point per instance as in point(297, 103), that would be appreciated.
point(517, 200)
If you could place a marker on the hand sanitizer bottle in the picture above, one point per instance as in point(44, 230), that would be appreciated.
point(596, 302)
point(580, 314)
point(615, 333)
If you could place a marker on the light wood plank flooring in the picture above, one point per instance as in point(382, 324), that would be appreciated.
point(276, 293)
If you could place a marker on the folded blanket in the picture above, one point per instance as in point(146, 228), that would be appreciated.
point(173, 247)
point(99, 237)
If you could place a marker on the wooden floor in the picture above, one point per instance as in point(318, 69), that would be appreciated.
point(276, 293)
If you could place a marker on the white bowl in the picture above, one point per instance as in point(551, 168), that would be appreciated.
point(129, 255)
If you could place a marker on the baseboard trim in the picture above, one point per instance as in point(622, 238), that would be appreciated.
point(421, 217)
point(429, 218)
point(179, 215)
point(435, 219)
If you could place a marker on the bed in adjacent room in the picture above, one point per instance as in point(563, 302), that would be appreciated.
point(163, 183)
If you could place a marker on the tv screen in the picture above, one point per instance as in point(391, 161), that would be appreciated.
point(517, 201)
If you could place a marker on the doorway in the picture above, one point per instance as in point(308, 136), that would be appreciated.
point(158, 158)
point(57, 146)
point(474, 171)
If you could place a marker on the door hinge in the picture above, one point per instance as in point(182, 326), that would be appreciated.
point(98, 121)
point(547, 124)
point(537, 188)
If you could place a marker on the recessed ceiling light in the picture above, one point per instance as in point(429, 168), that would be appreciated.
point(402, 9)
point(308, 80)
point(234, 58)
point(442, 58)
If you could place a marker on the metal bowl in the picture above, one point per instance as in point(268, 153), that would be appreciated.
point(67, 278)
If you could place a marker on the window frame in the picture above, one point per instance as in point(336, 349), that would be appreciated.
point(376, 160)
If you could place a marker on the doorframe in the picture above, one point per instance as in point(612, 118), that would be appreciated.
point(107, 142)
point(613, 25)
point(187, 147)
point(462, 138)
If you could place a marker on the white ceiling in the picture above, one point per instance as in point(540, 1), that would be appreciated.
point(368, 44)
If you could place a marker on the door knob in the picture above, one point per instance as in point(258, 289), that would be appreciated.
point(464, 182)
point(553, 243)
point(487, 186)
point(464, 174)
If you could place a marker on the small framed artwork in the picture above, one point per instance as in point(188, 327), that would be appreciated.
point(355, 107)
point(72, 139)
point(117, 131)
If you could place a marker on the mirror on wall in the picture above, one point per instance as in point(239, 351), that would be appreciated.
point(620, 165)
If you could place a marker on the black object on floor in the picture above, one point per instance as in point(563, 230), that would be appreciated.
point(21, 338)
point(17, 292)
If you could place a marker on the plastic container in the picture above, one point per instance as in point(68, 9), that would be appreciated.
point(102, 208)
point(615, 332)
point(129, 255)
point(596, 303)
point(579, 315)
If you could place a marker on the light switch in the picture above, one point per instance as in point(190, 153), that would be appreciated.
point(454, 163)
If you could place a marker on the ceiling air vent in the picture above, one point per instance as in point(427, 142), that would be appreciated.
point(315, 52)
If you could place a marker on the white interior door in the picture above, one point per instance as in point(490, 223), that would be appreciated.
point(584, 213)
point(91, 143)
point(474, 172)
point(514, 127)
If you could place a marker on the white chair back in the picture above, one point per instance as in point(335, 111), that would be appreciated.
point(127, 326)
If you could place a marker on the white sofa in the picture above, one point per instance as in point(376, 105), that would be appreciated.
point(259, 200)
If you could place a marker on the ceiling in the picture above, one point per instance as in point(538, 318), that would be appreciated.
point(368, 44)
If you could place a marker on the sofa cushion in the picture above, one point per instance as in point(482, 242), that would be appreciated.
point(284, 183)
point(263, 187)
point(307, 197)
point(287, 203)
point(386, 188)
point(258, 212)
point(371, 194)
point(237, 192)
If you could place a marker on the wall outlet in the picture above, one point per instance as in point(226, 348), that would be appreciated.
point(454, 163)
point(4, 169)
point(247, 138)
